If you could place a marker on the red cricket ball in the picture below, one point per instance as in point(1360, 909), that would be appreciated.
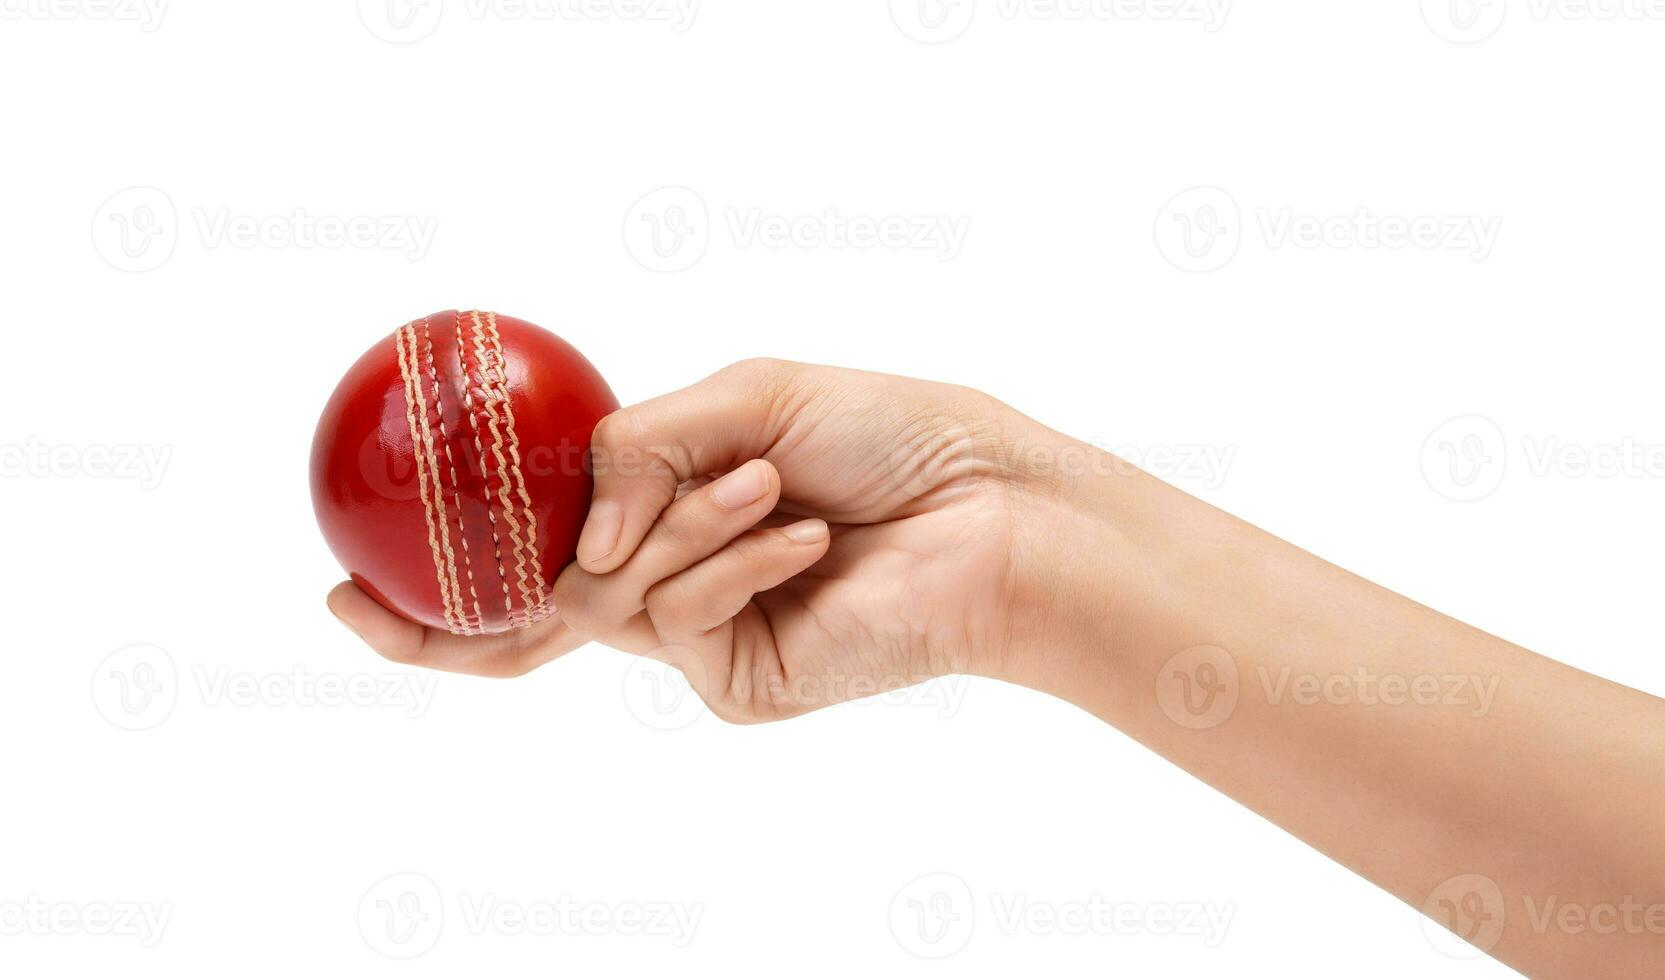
point(450, 469)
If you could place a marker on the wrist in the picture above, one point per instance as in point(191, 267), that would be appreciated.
point(1093, 543)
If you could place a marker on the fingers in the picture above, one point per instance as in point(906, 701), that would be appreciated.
point(689, 607)
point(642, 453)
point(504, 655)
point(692, 528)
point(390, 635)
point(687, 612)
point(695, 614)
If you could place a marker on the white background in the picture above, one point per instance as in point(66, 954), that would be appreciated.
point(1320, 372)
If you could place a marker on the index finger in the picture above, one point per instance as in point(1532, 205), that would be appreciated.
point(641, 453)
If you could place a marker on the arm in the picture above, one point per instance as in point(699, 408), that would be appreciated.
point(865, 532)
point(1516, 800)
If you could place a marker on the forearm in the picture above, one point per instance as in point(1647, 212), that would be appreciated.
point(1408, 746)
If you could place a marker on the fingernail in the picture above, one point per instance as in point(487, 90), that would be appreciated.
point(812, 531)
point(743, 487)
point(601, 531)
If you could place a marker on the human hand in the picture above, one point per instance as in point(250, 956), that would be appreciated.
point(866, 532)
point(860, 535)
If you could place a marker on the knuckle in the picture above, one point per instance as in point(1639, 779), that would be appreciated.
point(662, 601)
point(676, 535)
point(626, 444)
point(574, 601)
point(622, 428)
point(759, 377)
point(755, 366)
point(681, 608)
point(751, 549)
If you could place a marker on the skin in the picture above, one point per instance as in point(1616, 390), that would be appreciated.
point(804, 535)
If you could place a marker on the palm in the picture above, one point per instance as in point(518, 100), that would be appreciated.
point(912, 584)
point(891, 604)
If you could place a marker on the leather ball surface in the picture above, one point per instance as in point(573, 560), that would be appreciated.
point(450, 469)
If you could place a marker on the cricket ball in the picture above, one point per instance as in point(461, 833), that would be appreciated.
point(450, 469)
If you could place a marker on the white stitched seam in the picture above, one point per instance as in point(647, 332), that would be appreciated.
point(407, 374)
point(485, 477)
point(439, 496)
point(456, 489)
point(520, 477)
point(493, 422)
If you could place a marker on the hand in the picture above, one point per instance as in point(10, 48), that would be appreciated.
point(859, 536)
point(867, 532)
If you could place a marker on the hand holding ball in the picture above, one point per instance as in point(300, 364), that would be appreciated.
point(450, 469)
